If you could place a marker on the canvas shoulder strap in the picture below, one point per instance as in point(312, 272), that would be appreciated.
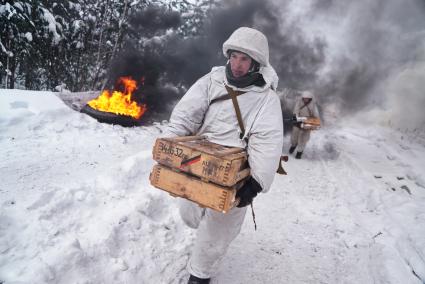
point(309, 110)
point(233, 95)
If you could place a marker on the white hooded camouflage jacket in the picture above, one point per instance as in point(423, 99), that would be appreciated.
point(198, 114)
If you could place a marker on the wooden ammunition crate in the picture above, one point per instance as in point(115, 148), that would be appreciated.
point(195, 155)
point(184, 185)
point(311, 123)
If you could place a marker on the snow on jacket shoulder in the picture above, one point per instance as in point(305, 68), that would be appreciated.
point(198, 113)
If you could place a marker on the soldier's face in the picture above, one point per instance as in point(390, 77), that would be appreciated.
point(306, 100)
point(239, 63)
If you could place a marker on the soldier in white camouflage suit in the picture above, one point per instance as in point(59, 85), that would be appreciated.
point(304, 107)
point(201, 111)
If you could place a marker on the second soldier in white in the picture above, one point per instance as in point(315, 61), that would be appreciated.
point(305, 106)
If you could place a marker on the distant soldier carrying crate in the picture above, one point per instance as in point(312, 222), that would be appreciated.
point(208, 110)
point(306, 118)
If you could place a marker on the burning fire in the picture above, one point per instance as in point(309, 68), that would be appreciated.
point(119, 102)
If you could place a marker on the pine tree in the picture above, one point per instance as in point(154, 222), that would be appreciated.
point(15, 38)
point(48, 43)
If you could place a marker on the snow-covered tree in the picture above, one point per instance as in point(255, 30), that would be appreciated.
point(16, 35)
point(48, 43)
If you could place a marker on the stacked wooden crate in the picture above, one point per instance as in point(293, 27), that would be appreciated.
point(201, 171)
point(311, 123)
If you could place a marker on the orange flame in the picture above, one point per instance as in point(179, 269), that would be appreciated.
point(119, 102)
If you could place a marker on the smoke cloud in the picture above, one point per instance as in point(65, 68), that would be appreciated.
point(354, 55)
point(374, 55)
point(170, 63)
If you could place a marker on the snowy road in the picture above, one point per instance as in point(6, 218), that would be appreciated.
point(77, 207)
point(346, 213)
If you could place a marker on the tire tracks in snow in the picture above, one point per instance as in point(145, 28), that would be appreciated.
point(306, 233)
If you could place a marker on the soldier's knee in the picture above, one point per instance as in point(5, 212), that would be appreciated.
point(190, 213)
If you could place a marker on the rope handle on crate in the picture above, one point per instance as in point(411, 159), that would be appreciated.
point(235, 204)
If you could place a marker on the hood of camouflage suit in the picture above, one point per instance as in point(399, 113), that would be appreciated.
point(308, 95)
point(255, 44)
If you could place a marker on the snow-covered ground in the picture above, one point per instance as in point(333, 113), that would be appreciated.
point(77, 206)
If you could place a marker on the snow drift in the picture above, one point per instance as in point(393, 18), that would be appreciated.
point(77, 207)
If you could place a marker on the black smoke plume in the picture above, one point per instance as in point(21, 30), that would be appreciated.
point(348, 53)
point(169, 62)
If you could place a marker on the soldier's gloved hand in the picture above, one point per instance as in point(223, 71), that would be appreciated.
point(247, 192)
